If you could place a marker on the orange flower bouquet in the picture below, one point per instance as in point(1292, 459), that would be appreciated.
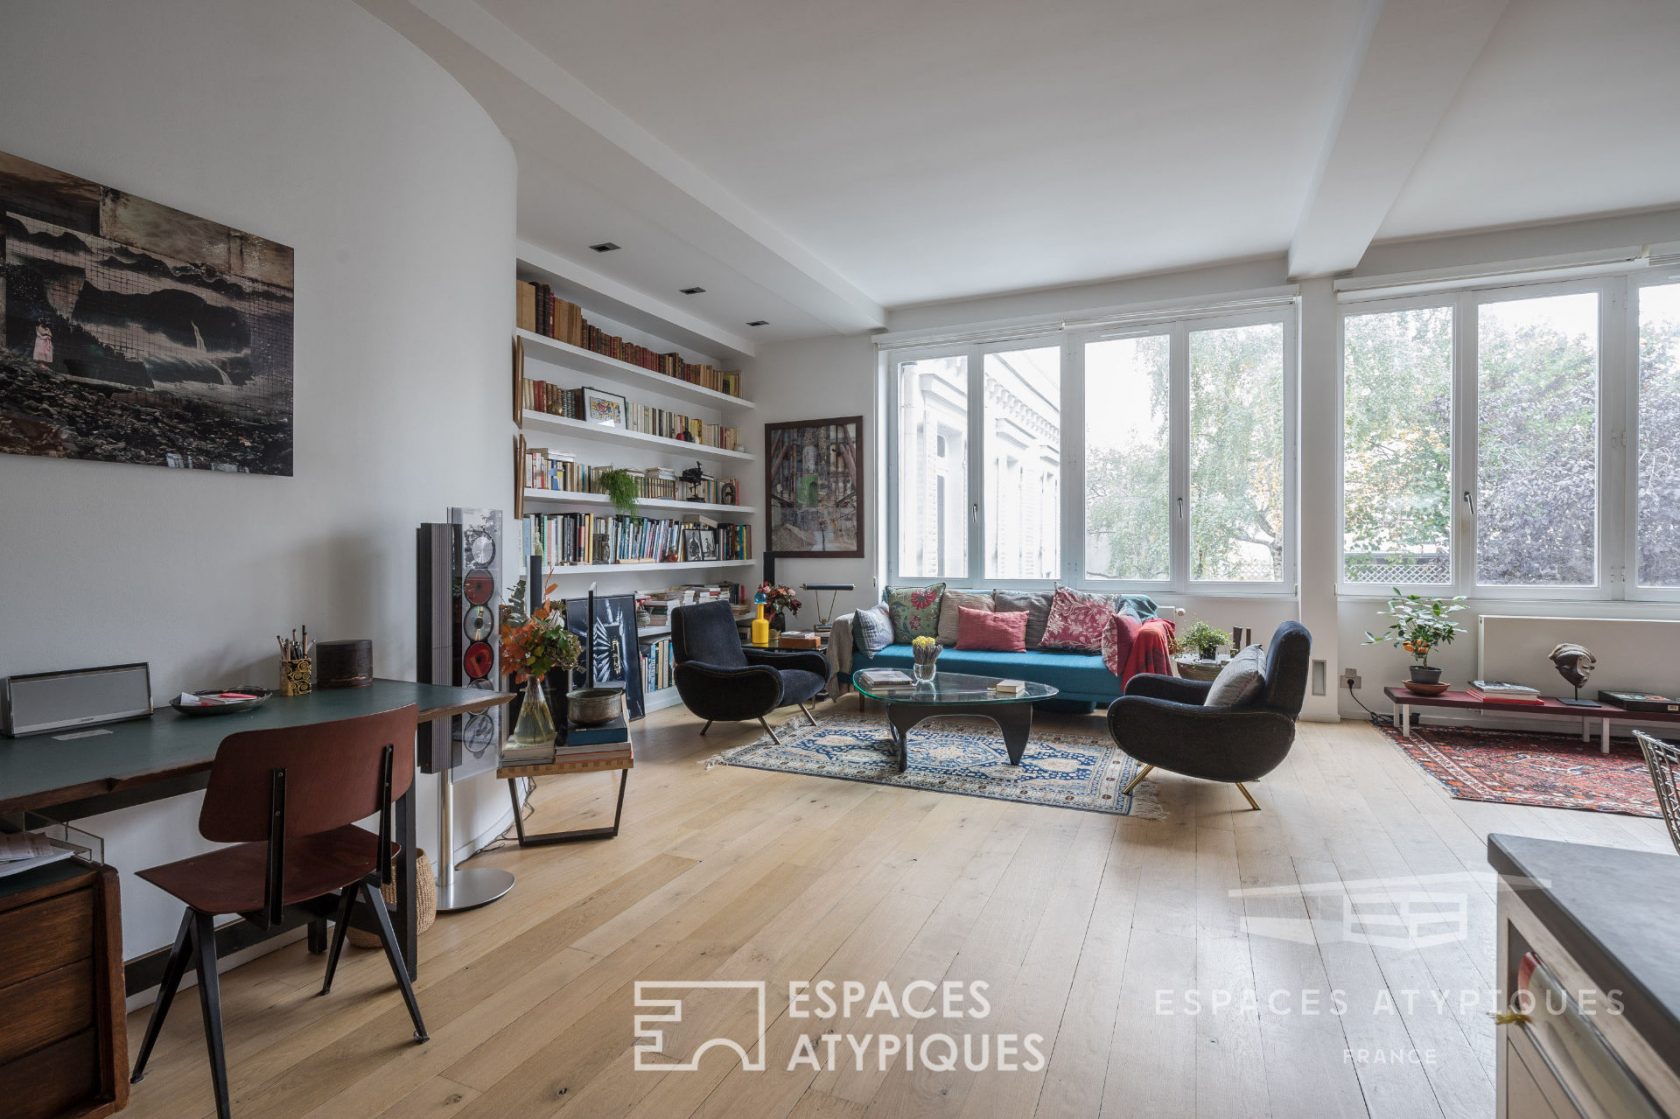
point(534, 644)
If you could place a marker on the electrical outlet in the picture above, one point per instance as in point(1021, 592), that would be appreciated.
point(1350, 676)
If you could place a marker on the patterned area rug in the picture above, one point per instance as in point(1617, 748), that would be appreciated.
point(1546, 770)
point(957, 755)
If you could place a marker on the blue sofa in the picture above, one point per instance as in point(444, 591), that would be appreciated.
point(1084, 681)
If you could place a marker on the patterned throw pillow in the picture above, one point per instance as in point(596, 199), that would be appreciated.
point(915, 611)
point(1036, 605)
point(952, 602)
point(872, 629)
point(1122, 629)
point(1077, 621)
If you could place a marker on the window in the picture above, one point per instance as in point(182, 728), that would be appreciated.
point(1176, 470)
point(1537, 442)
point(1236, 454)
point(933, 467)
point(1657, 524)
point(1397, 447)
point(1128, 459)
point(1023, 455)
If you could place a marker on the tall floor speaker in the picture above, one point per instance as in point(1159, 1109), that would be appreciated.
point(457, 626)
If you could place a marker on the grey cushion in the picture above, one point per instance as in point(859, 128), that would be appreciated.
point(872, 629)
point(1240, 682)
point(974, 600)
point(1035, 604)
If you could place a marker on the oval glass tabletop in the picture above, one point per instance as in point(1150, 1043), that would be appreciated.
point(954, 688)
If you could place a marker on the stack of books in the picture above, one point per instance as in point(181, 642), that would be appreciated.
point(883, 678)
point(583, 744)
point(1010, 687)
point(527, 755)
point(1499, 691)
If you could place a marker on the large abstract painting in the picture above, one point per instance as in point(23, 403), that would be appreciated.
point(138, 333)
point(614, 648)
point(813, 483)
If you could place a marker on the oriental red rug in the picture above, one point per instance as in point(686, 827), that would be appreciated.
point(1545, 770)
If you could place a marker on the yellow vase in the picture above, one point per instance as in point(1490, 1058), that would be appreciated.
point(760, 632)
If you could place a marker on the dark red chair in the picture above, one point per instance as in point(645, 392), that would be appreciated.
point(288, 800)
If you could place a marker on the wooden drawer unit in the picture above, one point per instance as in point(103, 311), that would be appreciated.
point(63, 1045)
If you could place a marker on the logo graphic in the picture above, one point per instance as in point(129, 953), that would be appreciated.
point(1404, 912)
point(650, 1033)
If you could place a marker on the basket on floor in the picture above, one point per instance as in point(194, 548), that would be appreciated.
point(425, 902)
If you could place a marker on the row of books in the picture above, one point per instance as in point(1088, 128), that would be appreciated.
point(572, 539)
point(659, 666)
point(560, 471)
point(540, 311)
point(553, 400)
point(659, 604)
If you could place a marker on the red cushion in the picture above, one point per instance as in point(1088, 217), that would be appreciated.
point(1077, 621)
point(1121, 631)
point(994, 631)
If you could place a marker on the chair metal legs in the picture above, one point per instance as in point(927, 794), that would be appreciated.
point(173, 969)
point(1248, 796)
point(706, 728)
point(768, 729)
point(341, 927)
point(1133, 783)
point(810, 717)
point(210, 1002)
point(398, 968)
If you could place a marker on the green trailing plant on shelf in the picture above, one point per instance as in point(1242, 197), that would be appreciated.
point(620, 487)
point(1204, 639)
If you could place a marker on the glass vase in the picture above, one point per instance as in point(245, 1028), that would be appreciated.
point(924, 672)
point(536, 725)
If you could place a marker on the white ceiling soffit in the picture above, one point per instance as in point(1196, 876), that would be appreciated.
point(588, 172)
point(1412, 58)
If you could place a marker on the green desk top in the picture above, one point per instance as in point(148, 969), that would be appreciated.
point(46, 769)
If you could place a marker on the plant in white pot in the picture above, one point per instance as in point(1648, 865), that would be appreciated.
point(1419, 624)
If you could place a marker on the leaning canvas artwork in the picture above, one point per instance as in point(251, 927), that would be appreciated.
point(137, 333)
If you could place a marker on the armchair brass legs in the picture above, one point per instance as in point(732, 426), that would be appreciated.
point(810, 717)
point(1148, 769)
point(768, 729)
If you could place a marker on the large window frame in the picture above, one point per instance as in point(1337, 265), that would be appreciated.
point(1617, 437)
point(1072, 342)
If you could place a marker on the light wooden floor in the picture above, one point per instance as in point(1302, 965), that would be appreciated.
point(1085, 927)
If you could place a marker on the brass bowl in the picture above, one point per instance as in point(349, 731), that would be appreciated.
point(594, 707)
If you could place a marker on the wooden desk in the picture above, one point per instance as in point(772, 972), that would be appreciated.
point(1603, 715)
point(76, 774)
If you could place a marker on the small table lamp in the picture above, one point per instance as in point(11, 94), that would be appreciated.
point(825, 618)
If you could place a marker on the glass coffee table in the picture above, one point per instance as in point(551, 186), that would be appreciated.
point(957, 693)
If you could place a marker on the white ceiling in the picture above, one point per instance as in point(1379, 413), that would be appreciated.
point(815, 163)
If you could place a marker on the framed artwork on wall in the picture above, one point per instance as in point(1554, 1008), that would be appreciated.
point(604, 408)
point(134, 332)
point(813, 486)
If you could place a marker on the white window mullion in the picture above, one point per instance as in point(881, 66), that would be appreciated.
point(978, 449)
point(1073, 461)
point(1179, 467)
point(1464, 450)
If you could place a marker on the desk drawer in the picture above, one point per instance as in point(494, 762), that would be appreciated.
point(51, 1082)
point(43, 937)
point(58, 1004)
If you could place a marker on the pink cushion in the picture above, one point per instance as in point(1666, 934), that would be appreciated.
point(995, 632)
point(1077, 621)
point(1118, 635)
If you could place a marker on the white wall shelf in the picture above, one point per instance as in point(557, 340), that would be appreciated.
point(602, 434)
point(626, 568)
point(660, 699)
point(580, 360)
point(570, 497)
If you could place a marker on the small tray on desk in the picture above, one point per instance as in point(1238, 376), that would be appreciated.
point(259, 696)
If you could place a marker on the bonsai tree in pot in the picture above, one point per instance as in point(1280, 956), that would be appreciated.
point(1204, 639)
point(1418, 624)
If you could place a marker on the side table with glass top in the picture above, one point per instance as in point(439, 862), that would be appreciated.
point(957, 693)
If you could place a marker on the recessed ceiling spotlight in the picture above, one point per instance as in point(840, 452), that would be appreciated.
point(604, 247)
point(759, 322)
point(692, 291)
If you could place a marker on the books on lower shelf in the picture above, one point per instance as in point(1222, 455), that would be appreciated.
point(659, 669)
point(540, 311)
point(527, 755)
point(1640, 701)
point(593, 738)
point(578, 539)
point(1500, 691)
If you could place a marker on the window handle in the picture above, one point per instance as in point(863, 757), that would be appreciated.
point(1470, 500)
point(1181, 508)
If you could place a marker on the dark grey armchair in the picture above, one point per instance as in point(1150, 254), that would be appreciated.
point(719, 678)
point(1161, 721)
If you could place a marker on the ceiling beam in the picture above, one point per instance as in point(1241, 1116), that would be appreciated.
point(1411, 59)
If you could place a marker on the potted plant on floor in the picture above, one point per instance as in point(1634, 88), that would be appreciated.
point(1418, 624)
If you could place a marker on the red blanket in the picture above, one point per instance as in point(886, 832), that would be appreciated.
point(1151, 650)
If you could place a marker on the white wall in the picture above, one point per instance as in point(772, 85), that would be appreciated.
point(312, 123)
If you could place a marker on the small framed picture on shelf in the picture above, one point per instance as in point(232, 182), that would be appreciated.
point(604, 408)
point(709, 545)
point(693, 536)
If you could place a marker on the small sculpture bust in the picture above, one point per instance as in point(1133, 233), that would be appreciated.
point(1574, 663)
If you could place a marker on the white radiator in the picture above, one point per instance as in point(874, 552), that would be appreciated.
point(1634, 654)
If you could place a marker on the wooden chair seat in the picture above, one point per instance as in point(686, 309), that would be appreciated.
point(232, 879)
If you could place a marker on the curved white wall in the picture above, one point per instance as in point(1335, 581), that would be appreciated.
point(312, 123)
